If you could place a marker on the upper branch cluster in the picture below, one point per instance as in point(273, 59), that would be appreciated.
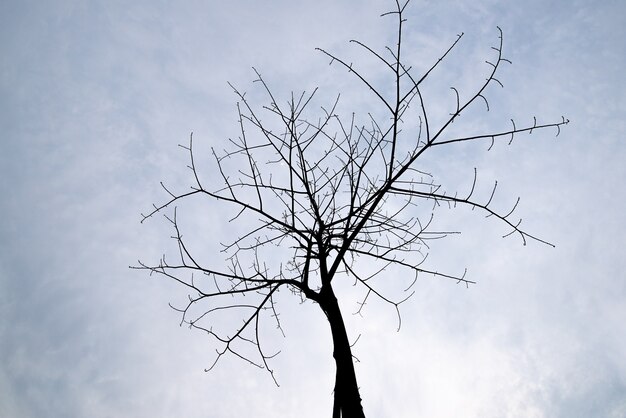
point(329, 190)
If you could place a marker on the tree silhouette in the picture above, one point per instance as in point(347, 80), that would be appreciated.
point(323, 193)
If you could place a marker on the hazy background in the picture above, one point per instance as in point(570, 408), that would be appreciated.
point(94, 98)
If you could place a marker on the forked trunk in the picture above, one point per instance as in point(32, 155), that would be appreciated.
point(347, 402)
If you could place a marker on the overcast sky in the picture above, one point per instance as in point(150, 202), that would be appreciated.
point(94, 98)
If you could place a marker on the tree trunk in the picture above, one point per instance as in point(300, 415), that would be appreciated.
point(347, 402)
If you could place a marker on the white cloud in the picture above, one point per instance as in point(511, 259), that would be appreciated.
point(93, 100)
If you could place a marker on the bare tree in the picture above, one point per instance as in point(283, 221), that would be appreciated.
point(325, 192)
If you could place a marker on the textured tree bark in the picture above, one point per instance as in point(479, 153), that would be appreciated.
point(347, 402)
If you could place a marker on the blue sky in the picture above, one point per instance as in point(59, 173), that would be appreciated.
point(94, 98)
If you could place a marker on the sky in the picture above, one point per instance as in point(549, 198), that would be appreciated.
point(95, 98)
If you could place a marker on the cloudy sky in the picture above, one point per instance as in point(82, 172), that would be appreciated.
point(94, 98)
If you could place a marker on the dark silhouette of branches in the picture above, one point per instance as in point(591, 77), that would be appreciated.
point(331, 191)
